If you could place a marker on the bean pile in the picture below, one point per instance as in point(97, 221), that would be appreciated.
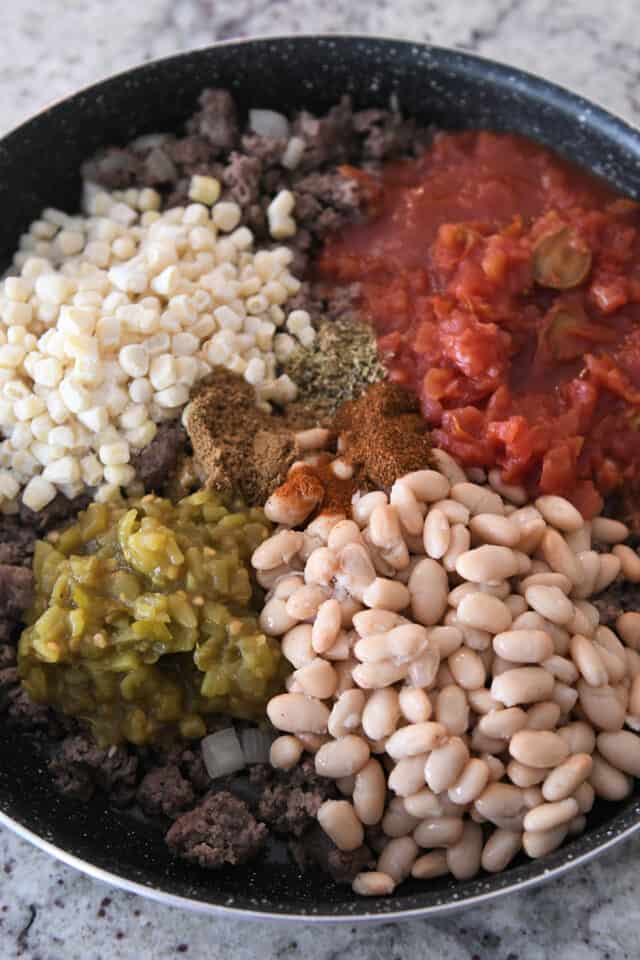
point(450, 672)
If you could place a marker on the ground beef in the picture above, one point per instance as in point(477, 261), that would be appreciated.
point(16, 542)
point(156, 463)
point(115, 168)
point(328, 139)
point(16, 593)
point(79, 767)
point(55, 514)
point(216, 120)
point(290, 799)
point(384, 134)
point(16, 590)
point(221, 830)
point(315, 849)
point(268, 150)
point(192, 767)
point(165, 792)
point(242, 176)
point(20, 710)
point(620, 597)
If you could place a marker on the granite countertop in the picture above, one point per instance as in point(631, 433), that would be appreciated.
point(50, 47)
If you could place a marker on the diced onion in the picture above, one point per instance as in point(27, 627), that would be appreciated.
point(256, 744)
point(268, 123)
point(222, 753)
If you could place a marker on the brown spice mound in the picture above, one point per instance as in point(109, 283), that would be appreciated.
point(238, 448)
point(383, 434)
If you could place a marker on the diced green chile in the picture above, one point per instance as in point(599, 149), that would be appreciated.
point(143, 621)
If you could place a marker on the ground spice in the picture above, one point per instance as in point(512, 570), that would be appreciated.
point(383, 435)
point(237, 447)
point(342, 362)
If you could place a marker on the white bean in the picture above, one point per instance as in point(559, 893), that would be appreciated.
point(346, 713)
point(407, 777)
point(381, 713)
point(629, 562)
point(560, 557)
point(369, 792)
point(415, 738)
point(538, 748)
point(326, 625)
point(386, 594)
point(404, 501)
point(500, 849)
point(467, 668)
point(579, 736)
point(437, 533)
point(608, 782)
point(622, 750)
point(459, 543)
point(295, 713)
point(278, 549)
point(488, 564)
point(522, 685)
point(471, 782)
point(304, 603)
point(398, 857)
point(550, 602)
point(601, 706)
point(523, 646)
point(492, 528)
point(567, 777)
point(438, 832)
point(397, 822)
point(275, 618)
point(342, 757)
point(285, 752)
point(452, 709)
point(541, 842)
point(502, 724)
point(297, 646)
point(414, 704)
point(477, 499)
point(339, 821)
point(484, 612)
point(445, 764)
point(373, 884)
point(560, 513)
point(430, 865)
point(379, 673)
point(317, 679)
point(605, 530)
point(427, 485)
point(427, 590)
point(523, 776)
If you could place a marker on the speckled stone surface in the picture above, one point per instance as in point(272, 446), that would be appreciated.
point(47, 49)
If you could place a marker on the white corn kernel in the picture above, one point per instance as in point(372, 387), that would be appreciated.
point(204, 189)
point(112, 454)
point(134, 360)
point(162, 373)
point(62, 470)
point(226, 215)
point(38, 493)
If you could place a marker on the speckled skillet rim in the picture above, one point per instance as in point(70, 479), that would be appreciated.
point(549, 868)
point(620, 164)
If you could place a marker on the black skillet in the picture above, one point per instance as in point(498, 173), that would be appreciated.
point(39, 164)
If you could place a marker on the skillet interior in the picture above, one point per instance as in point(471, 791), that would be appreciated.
point(39, 165)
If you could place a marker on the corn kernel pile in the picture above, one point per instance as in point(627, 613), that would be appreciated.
point(112, 317)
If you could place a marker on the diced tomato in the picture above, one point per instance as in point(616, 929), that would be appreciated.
point(505, 288)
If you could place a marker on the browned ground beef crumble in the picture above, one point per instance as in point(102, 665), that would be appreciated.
point(229, 821)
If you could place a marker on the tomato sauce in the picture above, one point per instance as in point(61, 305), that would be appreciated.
point(504, 285)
